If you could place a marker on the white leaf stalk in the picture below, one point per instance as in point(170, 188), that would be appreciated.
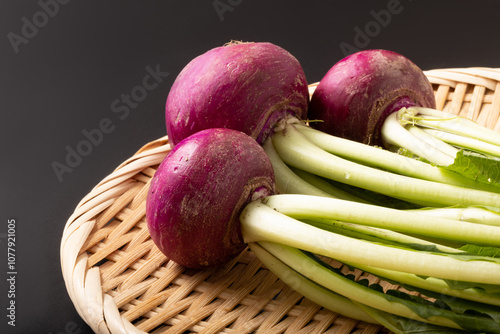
point(435, 135)
point(262, 222)
point(297, 151)
point(357, 293)
point(388, 160)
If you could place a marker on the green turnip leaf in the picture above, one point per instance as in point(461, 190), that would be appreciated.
point(480, 167)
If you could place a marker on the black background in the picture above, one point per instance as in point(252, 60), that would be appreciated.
point(63, 79)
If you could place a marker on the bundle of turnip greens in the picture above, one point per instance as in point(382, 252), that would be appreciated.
point(423, 214)
point(428, 229)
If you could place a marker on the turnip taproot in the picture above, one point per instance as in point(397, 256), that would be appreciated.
point(356, 95)
point(198, 191)
point(247, 87)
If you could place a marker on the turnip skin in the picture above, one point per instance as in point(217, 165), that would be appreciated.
point(357, 94)
point(241, 86)
point(198, 192)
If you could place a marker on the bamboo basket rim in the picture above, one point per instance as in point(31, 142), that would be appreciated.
point(119, 282)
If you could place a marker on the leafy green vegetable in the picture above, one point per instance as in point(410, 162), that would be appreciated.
point(451, 312)
point(477, 166)
point(401, 325)
point(298, 152)
point(407, 234)
point(441, 301)
point(491, 289)
point(403, 161)
point(482, 251)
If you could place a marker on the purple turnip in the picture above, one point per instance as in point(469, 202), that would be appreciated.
point(357, 94)
point(247, 87)
point(198, 192)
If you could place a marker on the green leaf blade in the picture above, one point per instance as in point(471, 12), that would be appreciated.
point(477, 166)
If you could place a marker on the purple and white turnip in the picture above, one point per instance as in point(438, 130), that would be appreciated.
point(355, 96)
point(247, 87)
point(198, 192)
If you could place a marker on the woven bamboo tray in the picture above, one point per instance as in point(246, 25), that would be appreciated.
point(120, 283)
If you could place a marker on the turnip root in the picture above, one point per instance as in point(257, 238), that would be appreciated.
point(247, 87)
point(357, 94)
point(198, 192)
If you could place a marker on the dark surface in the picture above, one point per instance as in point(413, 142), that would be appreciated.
point(72, 72)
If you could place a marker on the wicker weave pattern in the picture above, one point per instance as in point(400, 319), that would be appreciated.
point(120, 283)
